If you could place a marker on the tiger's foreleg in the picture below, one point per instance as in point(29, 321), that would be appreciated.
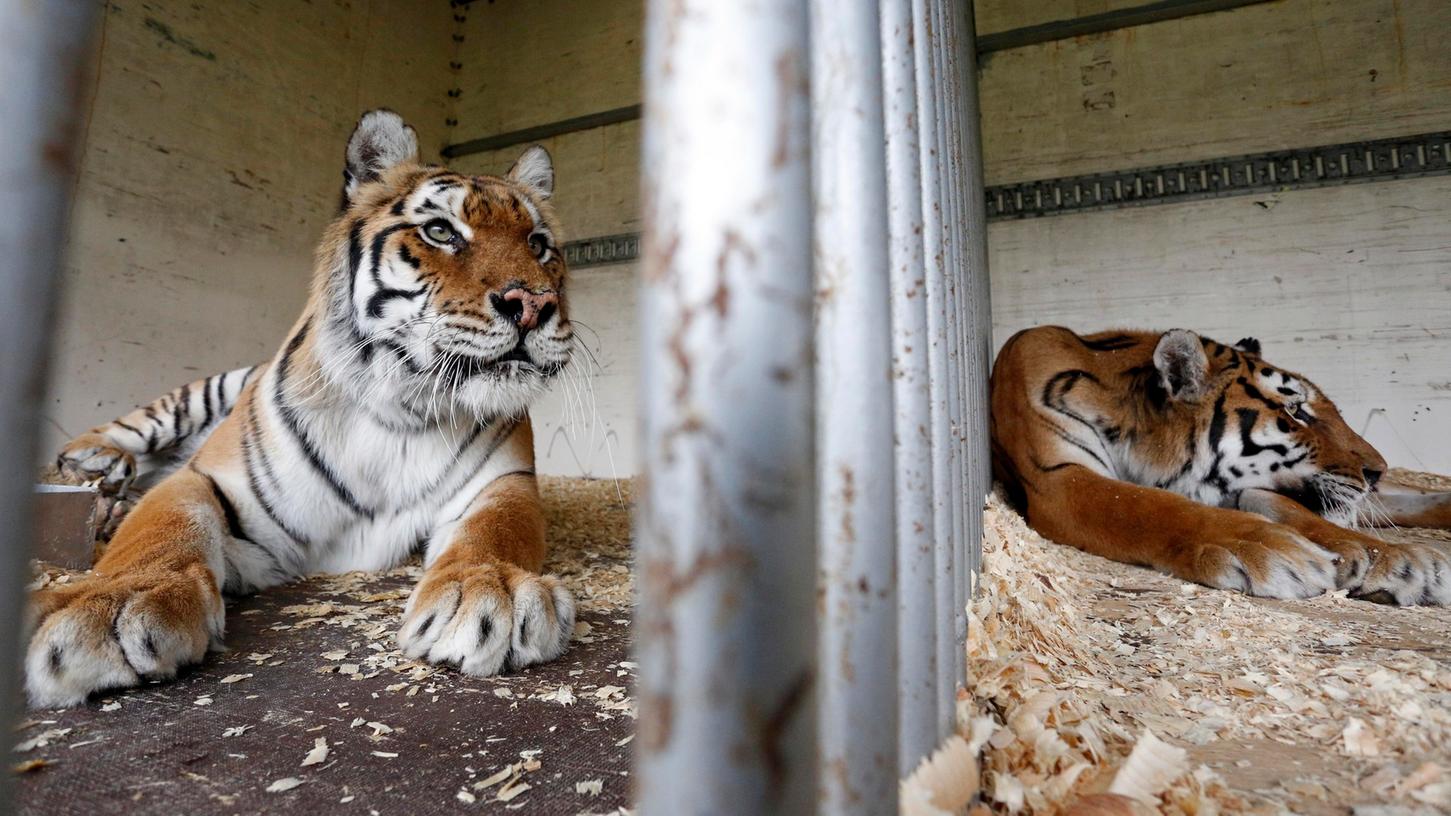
point(482, 603)
point(1223, 548)
point(153, 605)
point(1371, 568)
point(1401, 505)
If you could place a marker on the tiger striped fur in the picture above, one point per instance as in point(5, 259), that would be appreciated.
point(392, 419)
point(1203, 460)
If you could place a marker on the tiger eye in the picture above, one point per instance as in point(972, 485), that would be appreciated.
point(439, 230)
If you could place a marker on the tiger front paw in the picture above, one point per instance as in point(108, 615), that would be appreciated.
point(91, 458)
point(486, 617)
point(110, 632)
point(1407, 575)
point(1264, 559)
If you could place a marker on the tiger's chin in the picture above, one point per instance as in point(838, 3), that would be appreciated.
point(1333, 500)
point(504, 388)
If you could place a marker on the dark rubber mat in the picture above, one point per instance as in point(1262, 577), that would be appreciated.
point(317, 661)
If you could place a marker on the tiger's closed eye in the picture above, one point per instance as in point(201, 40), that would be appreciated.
point(439, 231)
point(1299, 414)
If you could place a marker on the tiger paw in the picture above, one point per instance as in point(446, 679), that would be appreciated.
point(1407, 575)
point(1264, 559)
point(93, 458)
point(486, 617)
point(112, 632)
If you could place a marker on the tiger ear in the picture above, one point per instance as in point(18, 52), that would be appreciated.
point(534, 170)
point(1249, 345)
point(1182, 364)
point(381, 140)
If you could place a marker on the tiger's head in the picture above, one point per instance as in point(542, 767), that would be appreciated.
point(448, 289)
point(1261, 426)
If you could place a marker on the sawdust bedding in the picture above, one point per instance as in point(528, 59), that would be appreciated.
point(1090, 677)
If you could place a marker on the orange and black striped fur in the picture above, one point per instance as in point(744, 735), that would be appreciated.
point(392, 419)
point(1203, 460)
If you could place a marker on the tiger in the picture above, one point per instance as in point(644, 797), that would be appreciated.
point(1202, 460)
point(393, 419)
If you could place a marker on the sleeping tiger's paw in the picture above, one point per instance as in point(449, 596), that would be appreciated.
point(92, 458)
point(486, 617)
point(1407, 575)
point(109, 632)
point(1264, 559)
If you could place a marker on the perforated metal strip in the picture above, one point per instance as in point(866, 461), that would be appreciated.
point(1382, 160)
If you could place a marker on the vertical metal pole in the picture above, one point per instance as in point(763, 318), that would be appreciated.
point(938, 348)
point(952, 269)
point(916, 573)
point(44, 51)
point(854, 399)
point(726, 527)
point(979, 335)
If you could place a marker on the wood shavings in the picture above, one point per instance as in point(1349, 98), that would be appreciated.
point(29, 765)
point(511, 792)
point(41, 740)
point(237, 730)
point(1073, 661)
point(944, 782)
point(284, 785)
point(111, 706)
point(204, 700)
point(589, 787)
point(233, 678)
point(318, 754)
point(1150, 768)
point(564, 695)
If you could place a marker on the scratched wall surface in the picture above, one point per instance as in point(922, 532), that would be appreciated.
point(212, 161)
point(528, 64)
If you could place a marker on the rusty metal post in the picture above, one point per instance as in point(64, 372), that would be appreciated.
point(980, 325)
point(938, 348)
point(854, 398)
point(952, 268)
point(916, 572)
point(44, 53)
point(726, 624)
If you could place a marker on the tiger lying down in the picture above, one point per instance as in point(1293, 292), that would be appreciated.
point(1202, 460)
point(391, 419)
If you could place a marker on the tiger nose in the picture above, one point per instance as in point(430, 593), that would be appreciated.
point(527, 309)
point(1371, 476)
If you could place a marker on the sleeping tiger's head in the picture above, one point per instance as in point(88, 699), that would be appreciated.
point(1266, 427)
point(449, 286)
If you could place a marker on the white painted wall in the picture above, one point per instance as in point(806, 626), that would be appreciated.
point(1350, 286)
point(211, 162)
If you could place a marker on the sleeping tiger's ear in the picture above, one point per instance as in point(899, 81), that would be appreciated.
point(380, 140)
point(1249, 345)
point(535, 171)
point(1182, 364)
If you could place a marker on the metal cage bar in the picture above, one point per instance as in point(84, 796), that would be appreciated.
point(943, 463)
point(44, 53)
point(773, 504)
point(916, 571)
point(854, 394)
point(725, 529)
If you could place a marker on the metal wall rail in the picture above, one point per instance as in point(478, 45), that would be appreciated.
point(1159, 12)
point(44, 53)
point(802, 582)
point(1427, 154)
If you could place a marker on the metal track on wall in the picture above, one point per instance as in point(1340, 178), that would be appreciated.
point(1381, 160)
point(606, 249)
point(1428, 154)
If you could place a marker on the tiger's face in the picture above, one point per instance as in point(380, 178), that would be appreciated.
point(455, 283)
point(1273, 429)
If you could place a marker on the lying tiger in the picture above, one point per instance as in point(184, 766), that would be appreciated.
point(1202, 460)
point(392, 419)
